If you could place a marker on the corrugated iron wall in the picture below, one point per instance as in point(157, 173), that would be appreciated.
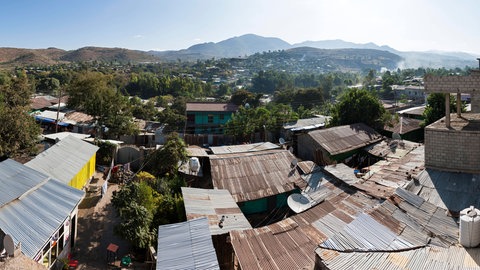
point(82, 177)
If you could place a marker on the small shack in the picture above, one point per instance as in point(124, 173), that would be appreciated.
point(71, 161)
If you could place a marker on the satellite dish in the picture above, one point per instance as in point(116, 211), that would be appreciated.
point(396, 136)
point(298, 203)
point(290, 150)
point(294, 163)
point(8, 244)
point(281, 141)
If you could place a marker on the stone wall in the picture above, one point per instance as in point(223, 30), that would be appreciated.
point(452, 150)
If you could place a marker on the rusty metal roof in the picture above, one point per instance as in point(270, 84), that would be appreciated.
point(210, 107)
point(342, 139)
point(422, 258)
point(390, 148)
point(196, 151)
point(255, 175)
point(243, 148)
point(407, 125)
point(214, 204)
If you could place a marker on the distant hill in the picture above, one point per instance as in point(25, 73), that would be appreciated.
point(240, 47)
point(233, 47)
point(11, 57)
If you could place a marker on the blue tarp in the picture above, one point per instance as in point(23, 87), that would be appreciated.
point(50, 121)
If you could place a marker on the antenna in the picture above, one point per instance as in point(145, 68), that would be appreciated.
point(8, 244)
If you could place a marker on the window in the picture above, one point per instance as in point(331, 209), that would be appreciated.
point(221, 116)
point(210, 118)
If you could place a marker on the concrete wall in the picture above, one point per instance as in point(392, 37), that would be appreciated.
point(452, 150)
point(456, 84)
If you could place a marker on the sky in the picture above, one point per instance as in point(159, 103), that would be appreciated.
point(405, 25)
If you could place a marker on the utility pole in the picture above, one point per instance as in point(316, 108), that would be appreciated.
point(58, 110)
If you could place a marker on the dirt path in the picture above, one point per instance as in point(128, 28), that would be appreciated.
point(96, 220)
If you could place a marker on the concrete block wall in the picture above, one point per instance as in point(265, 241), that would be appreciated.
point(456, 84)
point(452, 150)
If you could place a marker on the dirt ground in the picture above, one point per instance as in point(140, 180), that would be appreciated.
point(96, 220)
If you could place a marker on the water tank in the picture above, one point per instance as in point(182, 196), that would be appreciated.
point(194, 164)
point(470, 227)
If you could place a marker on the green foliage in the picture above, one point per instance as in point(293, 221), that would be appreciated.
point(242, 97)
point(166, 159)
point(357, 106)
point(246, 121)
point(105, 152)
point(170, 209)
point(18, 130)
point(270, 81)
point(308, 98)
point(435, 108)
point(93, 93)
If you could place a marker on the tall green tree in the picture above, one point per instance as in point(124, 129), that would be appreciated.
point(18, 130)
point(358, 106)
point(94, 94)
point(435, 108)
point(166, 160)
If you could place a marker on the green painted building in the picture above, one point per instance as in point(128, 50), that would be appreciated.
point(208, 117)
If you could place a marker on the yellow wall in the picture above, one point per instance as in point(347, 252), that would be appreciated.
point(82, 177)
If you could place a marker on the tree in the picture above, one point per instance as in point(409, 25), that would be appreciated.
point(358, 106)
point(166, 159)
point(93, 93)
point(18, 130)
point(435, 108)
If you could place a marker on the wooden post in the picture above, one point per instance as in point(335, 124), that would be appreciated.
point(447, 110)
point(459, 104)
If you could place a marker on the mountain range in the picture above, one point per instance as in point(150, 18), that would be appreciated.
point(238, 47)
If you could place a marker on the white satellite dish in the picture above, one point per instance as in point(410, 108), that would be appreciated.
point(298, 203)
point(8, 245)
point(290, 150)
point(281, 141)
point(396, 136)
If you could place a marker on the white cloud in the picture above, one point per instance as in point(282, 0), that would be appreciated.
point(138, 36)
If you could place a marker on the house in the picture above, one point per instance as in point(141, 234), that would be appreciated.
point(451, 142)
point(223, 215)
point(407, 128)
point(412, 92)
point(71, 160)
point(186, 245)
point(208, 117)
point(331, 145)
point(38, 212)
point(290, 131)
point(258, 181)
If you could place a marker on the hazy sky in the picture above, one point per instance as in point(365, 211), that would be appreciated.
point(405, 25)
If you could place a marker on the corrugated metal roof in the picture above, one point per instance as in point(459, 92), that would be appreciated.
point(306, 124)
point(50, 114)
point(256, 175)
point(64, 159)
point(214, 204)
point(243, 148)
point(342, 139)
point(422, 258)
point(449, 190)
point(193, 151)
point(34, 217)
point(390, 148)
point(16, 179)
point(404, 125)
point(62, 135)
point(210, 107)
point(186, 245)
